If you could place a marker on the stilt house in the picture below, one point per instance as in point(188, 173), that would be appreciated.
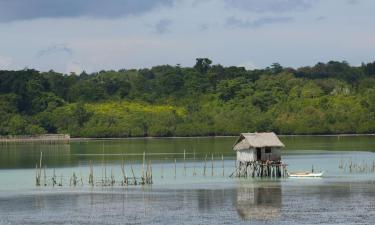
point(258, 147)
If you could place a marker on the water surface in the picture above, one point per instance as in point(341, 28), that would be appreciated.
point(191, 197)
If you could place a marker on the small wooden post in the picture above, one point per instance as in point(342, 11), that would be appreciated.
point(147, 173)
point(37, 176)
point(143, 165)
point(134, 179)
point(61, 180)
point(91, 176)
point(40, 160)
point(175, 168)
point(112, 178)
point(194, 165)
point(125, 182)
point(149, 180)
point(205, 165)
point(212, 164)
point(162, 169)
point(222, 159)
point(45, 176)
point(184, 163)
point(40, 167)
point(54, 178)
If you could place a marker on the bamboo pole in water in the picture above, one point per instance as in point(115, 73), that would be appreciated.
point(54, 178)
point(123, 172)
point(175, 169)
point(91, 176)
point(184, 163)
point(113, 181)
point(37, 177)
point(194, 165)
point(205, 165)
point(162, 169)
point(143, 165)
point(61, 180)
point(135, 180)
point(222, 159)
point(40, 160)
point(45, 176)
point(151, 172)
point(105, 173)
point(212, 164)
point(147, 172)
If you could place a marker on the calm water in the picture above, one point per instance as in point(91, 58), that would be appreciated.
point(340, 197)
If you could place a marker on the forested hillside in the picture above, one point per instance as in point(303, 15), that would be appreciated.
point(206, 99)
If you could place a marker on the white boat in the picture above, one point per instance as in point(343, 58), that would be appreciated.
point(306, 174)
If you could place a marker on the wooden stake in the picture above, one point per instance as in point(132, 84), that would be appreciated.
point(135, 180)
point(162, 169)
point(45, 176)
point(222, 159)
point(205, 165)
point(175, 169)
point(212, 164)
point(184, 164)
point(54, 178)
point(123, 172)
point(143, 165)
point(194, 165)
point(61, 180)
point(37, 177)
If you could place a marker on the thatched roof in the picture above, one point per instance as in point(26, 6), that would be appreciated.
point(257, 140)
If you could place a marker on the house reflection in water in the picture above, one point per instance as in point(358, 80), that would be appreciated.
point(257, 202)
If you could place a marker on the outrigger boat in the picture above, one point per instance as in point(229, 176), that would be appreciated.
point(306, 174)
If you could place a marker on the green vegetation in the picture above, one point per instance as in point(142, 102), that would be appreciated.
point(206, 99)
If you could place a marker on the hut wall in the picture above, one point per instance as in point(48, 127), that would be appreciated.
point(274, 155)
point(247, 155)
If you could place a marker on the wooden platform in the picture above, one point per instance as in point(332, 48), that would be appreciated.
point(260, 169)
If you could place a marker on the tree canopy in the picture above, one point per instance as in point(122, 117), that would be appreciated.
point(205, 99)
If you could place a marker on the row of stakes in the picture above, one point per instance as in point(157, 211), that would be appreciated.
point(41, 178)
point(146, 177)
point(355, 167)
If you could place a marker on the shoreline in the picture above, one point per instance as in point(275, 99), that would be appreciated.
point(56, 138)
point(221, 136)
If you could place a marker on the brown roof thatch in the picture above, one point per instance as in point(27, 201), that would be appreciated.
point(257, 140)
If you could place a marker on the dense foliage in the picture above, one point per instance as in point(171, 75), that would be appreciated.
point(206, 99)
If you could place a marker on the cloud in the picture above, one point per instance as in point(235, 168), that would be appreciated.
point(235, 22)
point(271, 5)
point(250, 65)
point(14, 10)
point(162, 26)
point(353, 2)
point(74, 67)
point(5, 62)
point(320, 18)
point(54, 49)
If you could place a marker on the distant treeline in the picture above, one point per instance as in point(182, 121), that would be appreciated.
point(206, 99)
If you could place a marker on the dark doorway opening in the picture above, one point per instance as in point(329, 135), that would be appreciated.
point(259, 153)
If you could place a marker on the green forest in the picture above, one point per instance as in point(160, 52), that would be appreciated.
point(204, 100)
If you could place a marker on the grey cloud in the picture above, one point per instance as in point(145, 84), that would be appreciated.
point(271, 5)
point(235, 22)
point(320, 18)
point(13, 10)
point(163, 26)
point(353, 2)
point(58, 48)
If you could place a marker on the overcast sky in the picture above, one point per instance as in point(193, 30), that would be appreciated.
point(91, 35)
